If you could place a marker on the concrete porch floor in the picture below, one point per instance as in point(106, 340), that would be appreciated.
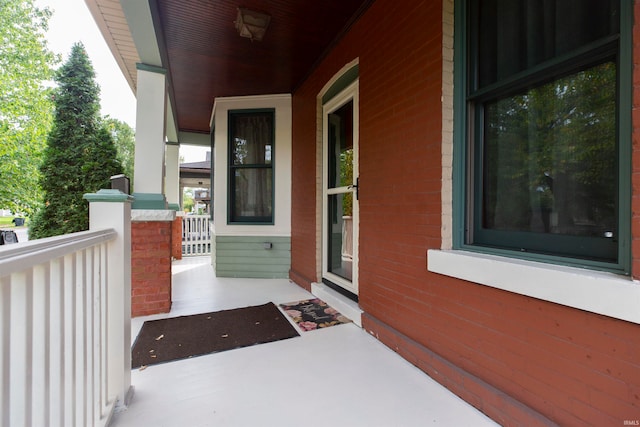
point(339, 376)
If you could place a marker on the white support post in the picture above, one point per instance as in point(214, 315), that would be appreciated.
point(151, 107)
point(112, 209)
point(172, 177)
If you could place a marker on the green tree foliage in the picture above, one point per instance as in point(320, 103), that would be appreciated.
point(124, 138)
point(80, 156)
point(26, 67)
point(187, 200)
point(346, 179)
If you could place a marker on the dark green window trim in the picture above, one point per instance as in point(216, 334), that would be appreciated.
point(464, 162)
point(212, 138)
point(349, 76)
point(232, 218)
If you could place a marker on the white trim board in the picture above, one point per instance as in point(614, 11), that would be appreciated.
point(594, 291)
point(282, 164)
point(344, 305)
point(350, 93)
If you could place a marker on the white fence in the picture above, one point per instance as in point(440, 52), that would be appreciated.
point(196, 235)
point(63, 338)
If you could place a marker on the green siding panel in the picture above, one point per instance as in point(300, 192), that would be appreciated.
point(240, 259)
point(252, 246)
point(245, 256)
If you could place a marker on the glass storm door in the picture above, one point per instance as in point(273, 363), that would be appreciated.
point(340, 190)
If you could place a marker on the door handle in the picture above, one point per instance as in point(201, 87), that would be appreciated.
point(356, 186)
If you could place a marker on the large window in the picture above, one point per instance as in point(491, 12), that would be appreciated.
point(251, 157)
point(545, 141)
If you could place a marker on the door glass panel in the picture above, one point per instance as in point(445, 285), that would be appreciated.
point(341, 146)
point(340, 235)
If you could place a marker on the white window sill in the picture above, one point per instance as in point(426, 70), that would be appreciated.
point(598, 292)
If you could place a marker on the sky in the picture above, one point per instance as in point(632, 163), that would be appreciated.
point(72, 22)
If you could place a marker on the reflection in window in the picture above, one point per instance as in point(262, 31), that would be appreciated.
point(549, 158)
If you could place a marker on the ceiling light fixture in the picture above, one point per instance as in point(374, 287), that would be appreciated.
point(252, 24)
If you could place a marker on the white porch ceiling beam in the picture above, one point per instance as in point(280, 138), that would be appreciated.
point(127, 27)
point(140, 23)
point(111, 22)
point(193, 138)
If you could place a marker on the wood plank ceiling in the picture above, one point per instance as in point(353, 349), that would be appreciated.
point(206, 58)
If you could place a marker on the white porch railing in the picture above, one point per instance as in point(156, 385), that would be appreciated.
point(196, 235)
point(63, 335)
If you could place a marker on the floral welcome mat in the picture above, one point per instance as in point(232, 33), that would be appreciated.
point(313, 314)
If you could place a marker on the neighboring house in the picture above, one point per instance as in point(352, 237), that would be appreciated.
point(197, 175)
point(465, 172)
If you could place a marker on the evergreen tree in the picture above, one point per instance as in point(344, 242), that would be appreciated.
point(101, 156)
point(80, 156)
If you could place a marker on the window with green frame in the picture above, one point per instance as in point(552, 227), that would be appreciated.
point(544, 101)
point(251, 159)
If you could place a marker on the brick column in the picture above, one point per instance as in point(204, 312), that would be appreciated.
point(151, 232)
point(176, 236)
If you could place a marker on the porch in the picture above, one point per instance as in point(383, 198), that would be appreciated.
point(337, 376)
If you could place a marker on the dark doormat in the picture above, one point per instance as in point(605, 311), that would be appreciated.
point(176, 338)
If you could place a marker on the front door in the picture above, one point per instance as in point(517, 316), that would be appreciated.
point(340, 190)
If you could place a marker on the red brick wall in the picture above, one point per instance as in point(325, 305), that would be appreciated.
point(573, 367)
point(176, 238)
point(520, 360)
point(303, 188)
point(303, 192)
point(150, 267)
